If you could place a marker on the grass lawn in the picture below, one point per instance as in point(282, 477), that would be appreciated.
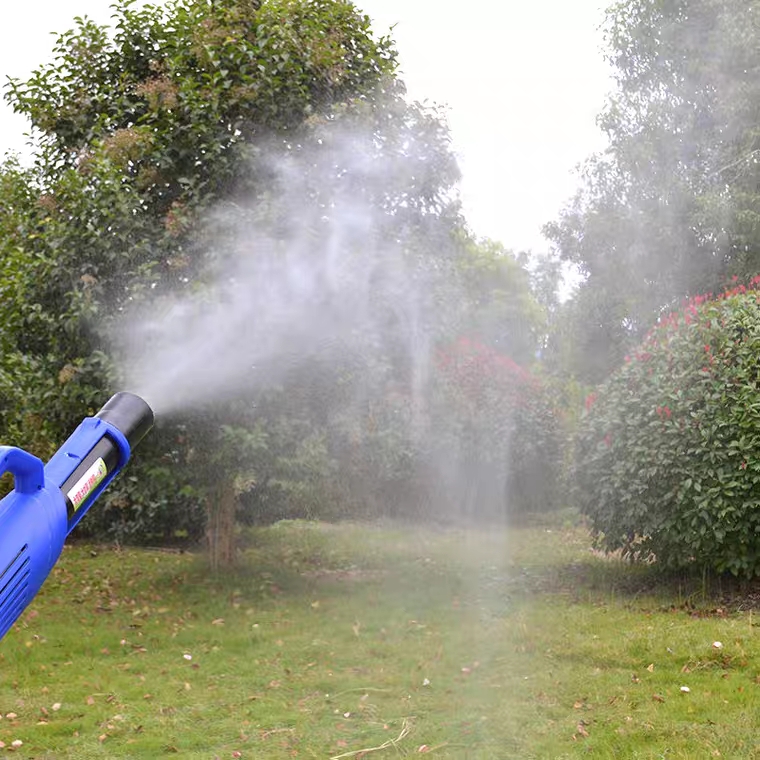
point(381, 641)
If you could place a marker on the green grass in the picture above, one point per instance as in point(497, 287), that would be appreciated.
point(332, 639)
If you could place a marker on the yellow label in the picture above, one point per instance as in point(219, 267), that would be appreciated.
point(87, 483)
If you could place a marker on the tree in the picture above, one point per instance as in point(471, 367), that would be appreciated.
point(138, 132)
point(162, 148)
point(670, 210)
point(255, 170)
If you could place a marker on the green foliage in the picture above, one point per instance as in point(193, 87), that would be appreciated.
point(147, 506)
point(140, 130)
point(668, 454)
point(159, 141)
point(670, 209)
point(498, 300)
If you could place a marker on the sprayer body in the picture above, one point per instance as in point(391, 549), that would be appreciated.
point(48, 501)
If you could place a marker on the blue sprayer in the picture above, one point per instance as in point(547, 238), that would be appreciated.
point(49, 500)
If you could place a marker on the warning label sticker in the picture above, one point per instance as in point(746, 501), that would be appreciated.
point(87, 483)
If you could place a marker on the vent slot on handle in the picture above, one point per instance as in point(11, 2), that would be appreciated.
point(13, 587)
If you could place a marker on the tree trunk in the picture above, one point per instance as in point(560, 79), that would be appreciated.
point(221, 507)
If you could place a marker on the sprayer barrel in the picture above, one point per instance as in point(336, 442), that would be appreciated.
point(130, 414)
point(104, 450)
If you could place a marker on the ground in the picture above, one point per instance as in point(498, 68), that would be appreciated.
point(382, 641)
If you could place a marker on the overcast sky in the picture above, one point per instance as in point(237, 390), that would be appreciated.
point(522, 81)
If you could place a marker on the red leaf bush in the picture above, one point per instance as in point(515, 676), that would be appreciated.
point(667, 459)
point(498, 435)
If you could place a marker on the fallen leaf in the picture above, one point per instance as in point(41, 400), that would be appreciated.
point(658, 698)
point(218, 621)
point(57, 706)
point(650, 668)
point(581, 729)
point(90, 700)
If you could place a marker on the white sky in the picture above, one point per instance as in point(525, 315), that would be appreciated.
point(523, 83)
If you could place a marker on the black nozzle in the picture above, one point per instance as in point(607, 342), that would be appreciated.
point(129, 414)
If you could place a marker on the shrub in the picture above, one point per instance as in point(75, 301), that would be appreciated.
point(668, 452)
point(497, 432)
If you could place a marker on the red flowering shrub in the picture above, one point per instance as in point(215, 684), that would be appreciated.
point(668, 451)
point(497, 435)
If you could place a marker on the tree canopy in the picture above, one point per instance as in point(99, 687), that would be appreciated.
point(202, 151)
point(670, 210)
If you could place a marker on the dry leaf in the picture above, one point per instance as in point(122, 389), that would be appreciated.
point(581, 729)
point(658, 698)
point(90, 700)
point(650, 668)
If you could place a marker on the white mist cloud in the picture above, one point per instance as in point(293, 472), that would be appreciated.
point(315, 267)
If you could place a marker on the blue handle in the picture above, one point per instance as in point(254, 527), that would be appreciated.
point(27, 470)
